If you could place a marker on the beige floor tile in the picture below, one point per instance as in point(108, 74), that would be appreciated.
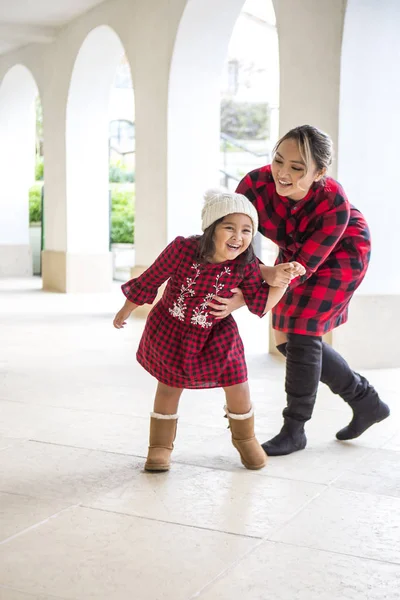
point(116, 433)
point(237, 502)
point(70, 381)
point(393, 443)
point(9, 594)
point(105, 555)
point(379, 473)
point(353, 523)
point(319, 463)
point(18, 420)
point(7, 442)
point(68, 474)
point(113, 388)
point(282, 572)
point(17, 513)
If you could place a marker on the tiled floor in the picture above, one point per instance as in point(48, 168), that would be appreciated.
point(80, 520)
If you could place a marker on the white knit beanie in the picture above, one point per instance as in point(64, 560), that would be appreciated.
point(218, 204)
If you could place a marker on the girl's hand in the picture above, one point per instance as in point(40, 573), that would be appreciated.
point(281, 275)
point(122, 315)
point(278, 276)
point(226, 305)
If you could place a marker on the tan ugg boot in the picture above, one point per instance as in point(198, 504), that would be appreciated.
point(162, 436)
point(243, 438)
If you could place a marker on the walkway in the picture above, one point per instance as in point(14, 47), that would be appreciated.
point(80, 520)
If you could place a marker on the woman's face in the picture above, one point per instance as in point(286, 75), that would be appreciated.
point(289, 171)
point(232, 237)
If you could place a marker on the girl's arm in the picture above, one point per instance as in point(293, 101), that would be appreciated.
point(143, 289)
point(122, 315)
point(277, 278)
point(275, 294)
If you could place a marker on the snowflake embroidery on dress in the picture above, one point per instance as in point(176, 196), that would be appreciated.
point(200, 315)
point(179, 307)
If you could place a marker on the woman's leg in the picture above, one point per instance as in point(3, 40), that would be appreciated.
point(241, 422)
point(336, 373)
point(303, 372)
point(163, 423)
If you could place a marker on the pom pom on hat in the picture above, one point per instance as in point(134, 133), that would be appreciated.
point(219, 204)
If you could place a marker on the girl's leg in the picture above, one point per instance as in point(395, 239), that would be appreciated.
point(241, 422)
point(303, 372)
point(167, 398)
point(163, 424)
point(336, 373)
point(238, 398)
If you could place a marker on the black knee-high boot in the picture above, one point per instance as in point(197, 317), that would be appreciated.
point(303, 372)
point(367, 407)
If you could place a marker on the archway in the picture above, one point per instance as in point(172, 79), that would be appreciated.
point(87, 144)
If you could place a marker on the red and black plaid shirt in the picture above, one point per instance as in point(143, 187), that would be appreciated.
point(182, 344)
point(324, 233)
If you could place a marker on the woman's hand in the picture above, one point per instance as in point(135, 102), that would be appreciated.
point(123, 314)
point(297, 269)
point(281, 275)
point(226, 305)
point(278, 276)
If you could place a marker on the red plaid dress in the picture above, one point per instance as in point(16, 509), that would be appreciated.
point(182, 344)
point(324, 233)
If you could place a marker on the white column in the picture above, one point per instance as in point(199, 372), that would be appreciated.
point(368, 167)
point(310, 34)
point(77, 256)
point(200, 50)
point(17, 164)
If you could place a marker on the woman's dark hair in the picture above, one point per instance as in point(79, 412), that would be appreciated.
point(313, 144)
point(206, 247)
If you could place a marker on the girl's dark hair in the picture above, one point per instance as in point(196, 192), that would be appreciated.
point(313, 144)
point(206, 247)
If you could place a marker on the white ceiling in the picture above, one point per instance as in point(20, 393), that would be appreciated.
point(25, 21)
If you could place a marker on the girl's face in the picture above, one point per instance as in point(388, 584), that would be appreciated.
point(289, 171)
point(232, 237)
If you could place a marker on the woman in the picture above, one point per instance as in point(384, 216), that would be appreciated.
point(309, 217)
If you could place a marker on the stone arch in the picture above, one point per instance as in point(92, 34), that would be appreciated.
point(87, 130)
point(194, 108)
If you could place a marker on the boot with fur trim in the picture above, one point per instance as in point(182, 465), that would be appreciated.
point(243, 438)
point(162, 436)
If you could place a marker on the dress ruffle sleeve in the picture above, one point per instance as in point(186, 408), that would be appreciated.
point(143, 289)
point(255, 289)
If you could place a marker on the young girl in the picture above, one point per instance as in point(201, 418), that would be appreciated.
point(182, 345)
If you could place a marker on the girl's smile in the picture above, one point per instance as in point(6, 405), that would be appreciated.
point(232, 237)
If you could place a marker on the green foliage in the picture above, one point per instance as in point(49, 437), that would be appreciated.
point(39, 168)
point(245, 120)
point(122, 214)
point(39, 126)
point(35, 203)
point(120, 173)
point(122, 211)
